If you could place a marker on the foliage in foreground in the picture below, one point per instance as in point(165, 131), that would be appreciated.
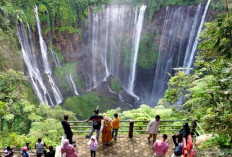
point(19, 114)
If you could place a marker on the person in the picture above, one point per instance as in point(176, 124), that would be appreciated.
point(178, 150)
point(67, 129)
point(24, 152)
point(115, 125)
point(161, 147)
point(96, 119)
point(93, 145)
point(106, 129)
point(40, 147)
point(51, 152)
point(28, 145)
point(8, 152)
point(153, 128)
point(68, 149)
point(183, 133)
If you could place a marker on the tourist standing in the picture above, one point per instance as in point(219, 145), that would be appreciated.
point(39, 146)
point(67, 129)
point(115, 125)
point(153, 128)
point(161, 147)
point(68, 149)
point(93, 145)
point(96, 119)
point(106, 129)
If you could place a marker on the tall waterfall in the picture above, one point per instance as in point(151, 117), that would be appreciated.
point(110, 30)
point(32, 68)
point(44, 52)
point(189, 60)
point(73, 85)
point(177, 40)
point(135, 49)
point(110, 46)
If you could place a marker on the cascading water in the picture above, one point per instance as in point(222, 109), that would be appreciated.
point(46, 65)
point(55, 57)
point(73, 85)
point(111, 47)
point(32, 68)
point(189, 60)
point(139, 25)
point(170, 44)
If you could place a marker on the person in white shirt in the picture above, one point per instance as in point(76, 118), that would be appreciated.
point(153, 128)
point(40, 147)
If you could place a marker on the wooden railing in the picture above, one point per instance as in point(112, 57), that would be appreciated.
point(131, 127)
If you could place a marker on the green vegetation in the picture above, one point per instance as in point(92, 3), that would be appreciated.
point(19, 114)
point(64, 72)
point(148, 51)
point(207, 91)
point(84, 105)
point(115, 85)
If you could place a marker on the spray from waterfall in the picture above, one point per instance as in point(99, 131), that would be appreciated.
point(139, 25)
point(189, 61)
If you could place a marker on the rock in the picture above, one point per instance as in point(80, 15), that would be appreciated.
point(202, 138)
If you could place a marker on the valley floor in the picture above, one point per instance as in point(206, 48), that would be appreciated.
point(124, 147)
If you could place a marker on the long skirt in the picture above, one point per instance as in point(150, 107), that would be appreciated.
point(107, 136)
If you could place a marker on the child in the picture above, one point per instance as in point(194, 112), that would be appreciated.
point(161, 147)
point(115, 124)
point(153, 128)
point(93, 145)
point(178, 150)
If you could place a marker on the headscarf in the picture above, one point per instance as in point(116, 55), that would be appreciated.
point(66, 146)
point(95, 140)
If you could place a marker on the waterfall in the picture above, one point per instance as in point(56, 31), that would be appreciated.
point(55, 57)
point(189, 61)
point(139, 25)
point(179, 31)
point(106, 44)
point(44, 53)
point(43, 46)
point(73, 85)
point(32, 68)
point(108, 31)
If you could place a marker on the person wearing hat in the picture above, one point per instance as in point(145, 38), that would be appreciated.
point(24, 152)
point(183, 133)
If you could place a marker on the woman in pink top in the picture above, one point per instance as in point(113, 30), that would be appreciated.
point(161, 147)
point(68, 149)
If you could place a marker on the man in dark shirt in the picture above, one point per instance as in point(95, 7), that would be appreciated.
point(183, 133)
point(96, 119)
point(67, 129)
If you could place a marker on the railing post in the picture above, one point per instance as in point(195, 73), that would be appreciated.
point(131, 128)
point(194, 125)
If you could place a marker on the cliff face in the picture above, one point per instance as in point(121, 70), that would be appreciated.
point(105, 47)
point(82, 59)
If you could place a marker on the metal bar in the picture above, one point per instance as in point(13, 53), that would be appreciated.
point(135, 121)
point(200, 128)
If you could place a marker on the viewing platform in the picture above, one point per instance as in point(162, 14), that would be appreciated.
point(123, 147)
